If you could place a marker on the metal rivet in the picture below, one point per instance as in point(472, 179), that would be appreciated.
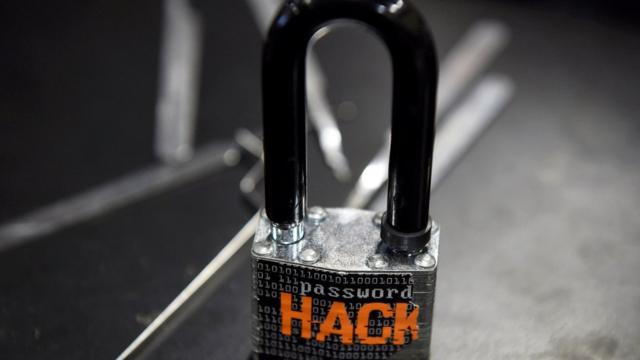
point(377, 261)
point(425, 261)
point(262, 248)
point(377, 219)
point(316, 214)
point(309, 256)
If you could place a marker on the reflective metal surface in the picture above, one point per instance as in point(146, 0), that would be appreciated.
point(358, 239)
point(347, 242)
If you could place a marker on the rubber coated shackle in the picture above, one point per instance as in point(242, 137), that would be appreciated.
point(414, 63)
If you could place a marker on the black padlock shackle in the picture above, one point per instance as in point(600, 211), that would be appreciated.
point(414, 62)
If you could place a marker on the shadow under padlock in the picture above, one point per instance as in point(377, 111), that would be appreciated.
point(341, 282)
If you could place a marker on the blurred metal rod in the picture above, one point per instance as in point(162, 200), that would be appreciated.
point(249, 141)
point(116, 194)
point(249, 182)
point(324, 122)
point(372, 178)
point(251, 179)
point(463, 127)
point(196, 284)
point(320, 114)
point(178, 82)
point(469, 57)
point(467, 122)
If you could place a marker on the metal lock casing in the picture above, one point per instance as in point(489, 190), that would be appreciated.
point(345, 283)
point(340, 260)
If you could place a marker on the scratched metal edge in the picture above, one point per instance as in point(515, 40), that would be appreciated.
point(113, 195)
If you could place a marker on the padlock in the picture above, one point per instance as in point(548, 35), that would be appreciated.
point(342, 283)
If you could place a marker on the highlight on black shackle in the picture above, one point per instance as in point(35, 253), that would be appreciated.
point(414, 64)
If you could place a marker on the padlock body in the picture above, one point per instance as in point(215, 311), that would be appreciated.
point(339, 294)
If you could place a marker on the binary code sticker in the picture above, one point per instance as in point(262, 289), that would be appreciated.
point(306, 313)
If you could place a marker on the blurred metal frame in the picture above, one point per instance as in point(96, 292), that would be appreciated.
point(178, 81)
point(174, 131)
point(468, 58)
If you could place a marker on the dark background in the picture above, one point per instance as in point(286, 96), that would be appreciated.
point(540, 236)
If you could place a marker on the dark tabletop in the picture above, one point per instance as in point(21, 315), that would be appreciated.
point(540, 237)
